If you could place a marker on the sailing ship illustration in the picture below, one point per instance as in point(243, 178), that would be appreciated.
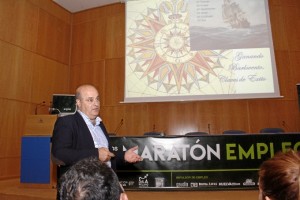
point(233, 14)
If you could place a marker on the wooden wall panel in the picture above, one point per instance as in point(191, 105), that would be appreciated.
point(274, 113)
point(294, 58)
point(53, 38)
point(217, 116)
point(12, 121)
point(135, 119)
point(16, 72)
point(11, 168)
point(284, 71)
point(288, 73)
point(98, 34)
point(97, 13)
point(29, 75)
point(11, 149)
point(173, 118)
point(292, 26)
point(277, 27)
point(207, 116)
point(88, 41)
point(88, 73)
point(48, 77)
point(52, 8)
point(212, 117)
point(115, 36)
point(134, 116)
point(19, 23)
point(114, 82)
point(284, 2)
point(112, 117)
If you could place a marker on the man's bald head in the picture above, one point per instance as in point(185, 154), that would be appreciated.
point(88, 100)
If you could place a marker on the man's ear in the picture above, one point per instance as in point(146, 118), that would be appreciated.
point(77, 102)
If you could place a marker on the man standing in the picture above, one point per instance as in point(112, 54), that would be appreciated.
point(83, 134)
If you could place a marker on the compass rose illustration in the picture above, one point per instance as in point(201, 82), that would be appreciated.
point(159, 53)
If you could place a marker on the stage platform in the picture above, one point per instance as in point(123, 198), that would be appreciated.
point(12, 190)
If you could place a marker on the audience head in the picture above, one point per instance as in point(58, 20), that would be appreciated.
point(89, 179)
point(279, 177)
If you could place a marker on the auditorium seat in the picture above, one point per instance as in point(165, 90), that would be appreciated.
point(196, 133)
point(234, 131)
point(271, 130)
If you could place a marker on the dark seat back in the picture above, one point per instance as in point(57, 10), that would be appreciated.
point(197, 133)
point(271, 130)
point(233, 131)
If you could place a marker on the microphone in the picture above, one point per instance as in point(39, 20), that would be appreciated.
point(37, 106)
point(208, 126)
point(119, 126)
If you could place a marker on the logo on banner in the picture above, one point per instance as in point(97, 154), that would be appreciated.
point(249, 182)
point(115, 148)
point(159, 182)
point(184, 184)
point(143, 181)
point(229, 184)
point(124, 183)
point(194, 185)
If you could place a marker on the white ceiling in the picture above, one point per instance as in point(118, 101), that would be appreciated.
point(80, 5)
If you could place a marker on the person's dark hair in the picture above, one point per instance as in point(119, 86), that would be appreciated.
point(279, 177)
point(77, 95)
point(89, 179)
point(78, 91)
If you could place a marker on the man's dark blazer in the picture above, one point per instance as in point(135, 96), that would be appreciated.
point(72, 141)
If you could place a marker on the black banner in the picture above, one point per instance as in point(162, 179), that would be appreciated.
point(209, 162)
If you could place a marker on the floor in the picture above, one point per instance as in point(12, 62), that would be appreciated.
point(14, 190)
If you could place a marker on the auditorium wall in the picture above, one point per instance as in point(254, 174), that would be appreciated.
point(34, 63)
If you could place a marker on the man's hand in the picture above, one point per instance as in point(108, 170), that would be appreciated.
point(105, 154)
point(131, 156)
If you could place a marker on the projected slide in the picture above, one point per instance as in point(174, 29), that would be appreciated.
point(228, 25)
point(198, 50)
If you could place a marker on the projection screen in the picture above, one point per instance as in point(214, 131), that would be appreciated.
point(180, 50)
